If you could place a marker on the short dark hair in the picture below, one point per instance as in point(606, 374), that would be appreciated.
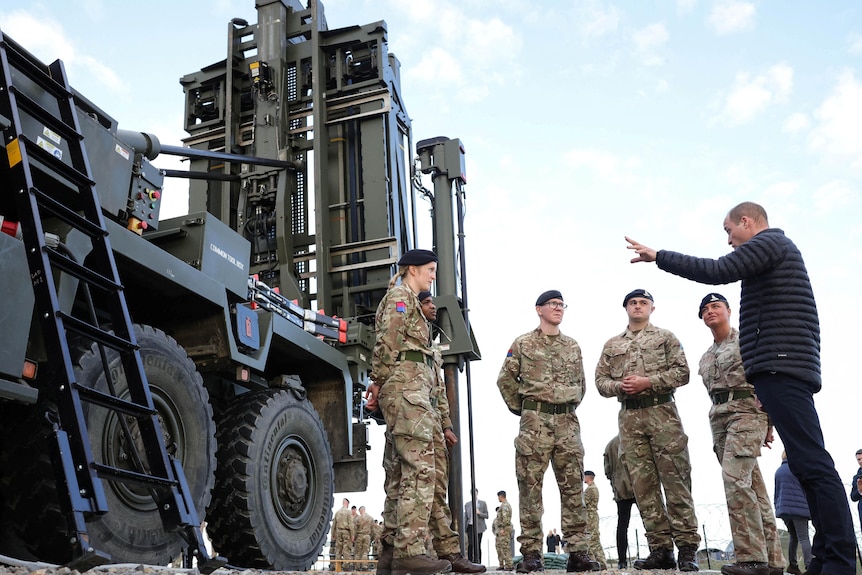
point(859, 452)
point(501, 493)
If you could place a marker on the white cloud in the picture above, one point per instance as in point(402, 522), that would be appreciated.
point(750, 96)
point(730, 16)
point(839, 121)
point(796, 123)
point(834, 196)
point(648, 40)
point(46, 40)
point(854, 44)
point(685, 5)
point(594, 19)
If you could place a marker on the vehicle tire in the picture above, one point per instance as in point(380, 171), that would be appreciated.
point(272, 503)
point(131, 531)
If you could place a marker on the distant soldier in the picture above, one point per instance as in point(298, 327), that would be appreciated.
point(376, 531)
point(362, 538)
point(591, 502)
point(502, 529)
point(542, 381)
point(642, 367)
point(624, 497)
point(739, 427)
point(342, 526)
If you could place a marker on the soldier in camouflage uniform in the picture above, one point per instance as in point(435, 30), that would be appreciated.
point(591, 502)
point(362, 538)
point(542, 381)
point(342, 526)
point(739, 427)
point(502, 530)
point(642, 367)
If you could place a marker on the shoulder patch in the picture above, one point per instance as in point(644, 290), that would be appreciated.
point(509, 353)
point(400, 307)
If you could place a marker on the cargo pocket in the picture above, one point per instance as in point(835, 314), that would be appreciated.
point(745, 437)
point(528, 433)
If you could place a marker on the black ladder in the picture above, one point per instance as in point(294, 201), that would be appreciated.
point(49, 176)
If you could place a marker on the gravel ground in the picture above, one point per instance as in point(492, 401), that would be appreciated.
point(42, 569)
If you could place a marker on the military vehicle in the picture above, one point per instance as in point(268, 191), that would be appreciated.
point(159, 373)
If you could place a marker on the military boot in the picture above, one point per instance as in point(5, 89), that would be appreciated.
point(658, 559)
point(744, 568)
point(384, 559)
point(461, 564)
point(532, 561)
point(580, 561)
point(419, 565)
point(688, 558)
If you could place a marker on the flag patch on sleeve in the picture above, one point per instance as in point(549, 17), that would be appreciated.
point(509, 353)
point(400, 307)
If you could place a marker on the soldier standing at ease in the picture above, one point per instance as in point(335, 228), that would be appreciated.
point(624, 497)
point(502, 529)
point(402, 381)
point(342, 525)
point(591, 502)
point(440, 536)
point(739, 426)
point(642, 367)
point(362, 538)
point(542, 381)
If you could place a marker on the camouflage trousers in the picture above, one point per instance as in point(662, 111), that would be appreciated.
point(738, 430)
point(556, 439)
point(361, 546)
point(503, 540)
point(410, 469)
point(654, 449)
point(597, 552)
point(343, 546)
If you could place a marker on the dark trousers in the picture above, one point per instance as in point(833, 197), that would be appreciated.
point(790, 403)
point(624, 516)
point(474, 554)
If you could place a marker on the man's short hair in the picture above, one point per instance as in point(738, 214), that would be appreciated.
point(859, 452)
point(748, 209)
point(501, 493)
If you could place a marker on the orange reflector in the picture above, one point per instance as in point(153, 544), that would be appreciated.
point(29, 370)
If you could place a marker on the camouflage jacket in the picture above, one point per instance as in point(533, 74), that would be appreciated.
point(545, 368)
point(591, 497)
point(439, 391)
point(363, 524)
point(343, 520)
point(503, 520)
point(721, 365)
point(652, 352)
point(400, 327)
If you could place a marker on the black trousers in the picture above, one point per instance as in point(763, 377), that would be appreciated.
point(474, 554)
point(790, 403)
point(624, 516)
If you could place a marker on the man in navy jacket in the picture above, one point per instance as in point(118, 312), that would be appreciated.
point(779, 339)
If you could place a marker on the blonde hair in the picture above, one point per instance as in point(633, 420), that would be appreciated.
point(402, 273)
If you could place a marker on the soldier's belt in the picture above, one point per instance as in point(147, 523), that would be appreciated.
point(646, 401)
point(416, 356)
point(552, 408)
point(720, 397)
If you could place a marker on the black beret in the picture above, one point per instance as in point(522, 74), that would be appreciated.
point(709, 298)
point(423, 295)
point(589, 473)
point(548, 295)
point(417, 258)
point(637, 293)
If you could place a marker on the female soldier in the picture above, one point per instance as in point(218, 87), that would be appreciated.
point(403, 377)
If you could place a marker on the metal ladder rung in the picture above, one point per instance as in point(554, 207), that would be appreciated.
point(78, 178)
point(44, 116)
point(75, 269)
point(22, 60)
point(71, 217)
point(126, 476)
point(113, 402)
point(95, 333)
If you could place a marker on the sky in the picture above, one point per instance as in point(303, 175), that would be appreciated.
point(583, 121)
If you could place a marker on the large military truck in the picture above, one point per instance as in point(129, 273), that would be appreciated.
point(158, 373)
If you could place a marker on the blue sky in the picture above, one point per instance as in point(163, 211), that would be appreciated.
point(583, 121)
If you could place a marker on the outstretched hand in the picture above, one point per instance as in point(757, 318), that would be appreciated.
point(645, 254)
